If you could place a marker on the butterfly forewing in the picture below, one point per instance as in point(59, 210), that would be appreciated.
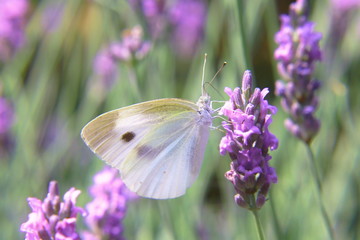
point(158, 146)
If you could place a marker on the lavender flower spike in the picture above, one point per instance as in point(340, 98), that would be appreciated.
point(247, 142)
point(296, 54)
point(130, 49)
point(108, 208)
point(51, 218)
point(188, 20)
point(184, 21)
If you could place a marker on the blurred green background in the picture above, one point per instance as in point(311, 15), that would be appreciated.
point(50, 83)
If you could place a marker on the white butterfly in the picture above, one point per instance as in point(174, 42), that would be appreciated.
point(158, 146)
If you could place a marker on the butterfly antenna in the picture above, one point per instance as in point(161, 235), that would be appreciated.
point(203, 77)
point(217, 73)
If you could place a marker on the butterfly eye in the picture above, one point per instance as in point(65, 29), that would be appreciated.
point(128, 136)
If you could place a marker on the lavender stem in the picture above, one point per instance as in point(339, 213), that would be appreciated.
point(318, 184)
point(257, 219)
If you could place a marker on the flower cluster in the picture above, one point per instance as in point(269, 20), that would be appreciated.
point(51, 218)
point(186, 20)
point(131, 48)
point(296, 54)
point(108, 208)
point(247, 142)
point(12, 22)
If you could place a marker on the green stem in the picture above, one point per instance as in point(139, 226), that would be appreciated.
point(134, 79)
point(258, 225)
point(319, 190)
point(244, 45)
point(254, 210)
point(278, 231)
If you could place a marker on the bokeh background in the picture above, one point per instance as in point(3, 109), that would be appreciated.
point(54, 83)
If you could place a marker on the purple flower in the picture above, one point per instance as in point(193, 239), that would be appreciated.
point(184, 20)
point(154, 12)
point(247, 141)
point(108, 208)
point(51, 218)
point(105, 67)
point(12, 21)
point(297, 53)
point(131, 48)
point(188, 18)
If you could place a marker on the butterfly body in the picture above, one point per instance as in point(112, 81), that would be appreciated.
point(158, 146)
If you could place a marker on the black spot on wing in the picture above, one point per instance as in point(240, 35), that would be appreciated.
point(128, 136)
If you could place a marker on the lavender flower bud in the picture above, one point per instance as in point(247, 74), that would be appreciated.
point(240, 201)
point(247, 84)
point(47, 207)
point(43, 235)
point(299, 8)
point(260, 200)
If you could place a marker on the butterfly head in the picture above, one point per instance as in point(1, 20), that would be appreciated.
point(205, 110)
point(204, 102)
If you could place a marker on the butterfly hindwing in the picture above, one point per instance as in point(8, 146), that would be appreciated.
point(165, 167)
